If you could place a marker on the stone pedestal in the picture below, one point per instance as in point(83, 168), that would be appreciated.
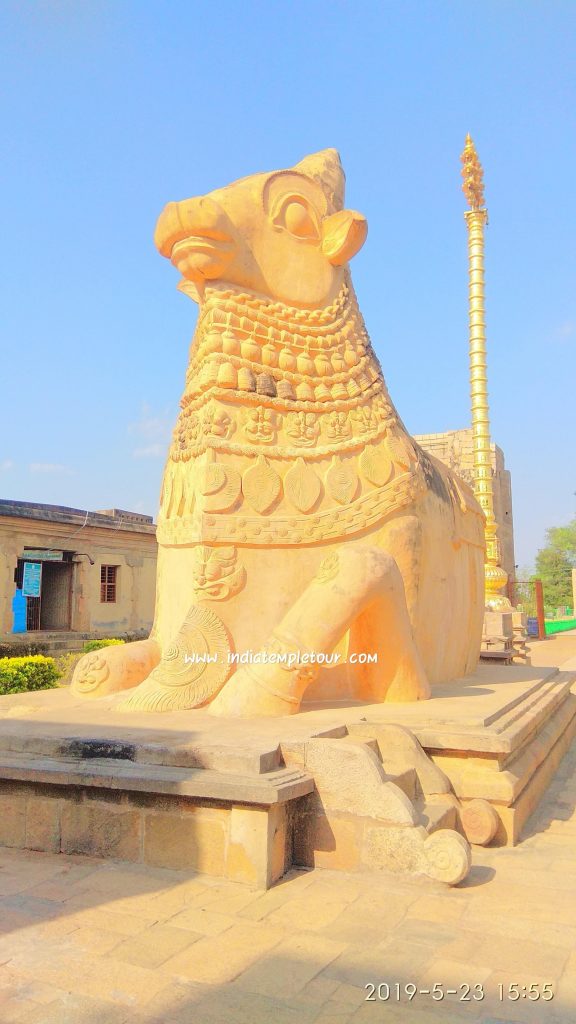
point(354, 788)
point(497, 636)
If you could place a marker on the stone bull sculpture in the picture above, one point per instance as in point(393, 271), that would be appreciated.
point(306, 543)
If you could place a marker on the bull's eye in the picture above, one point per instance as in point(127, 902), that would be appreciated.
point(295, 215)
point(298, 221)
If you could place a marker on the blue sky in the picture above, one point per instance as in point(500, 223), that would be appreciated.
point(110, 109)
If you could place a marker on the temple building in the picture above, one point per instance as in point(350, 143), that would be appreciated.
point(455, 449)
point(67, 570)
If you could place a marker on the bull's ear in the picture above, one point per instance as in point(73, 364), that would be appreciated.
point(343, 235)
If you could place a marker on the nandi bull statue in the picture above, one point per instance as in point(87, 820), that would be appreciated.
point(306, 543)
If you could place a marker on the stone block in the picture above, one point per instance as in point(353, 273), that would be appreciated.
point(280, 823)
point(189, 841)
point(349, 776)
point(394, 849)
point(101, 829)
point(327, 841)
point(258, 851)
point(12, 815)
point(43, 828)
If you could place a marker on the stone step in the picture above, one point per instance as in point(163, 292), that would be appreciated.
point(405, 778)
point(116, 773)
point(64, 646)
point(371, 743)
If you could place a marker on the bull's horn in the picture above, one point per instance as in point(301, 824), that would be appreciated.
point(325, 168)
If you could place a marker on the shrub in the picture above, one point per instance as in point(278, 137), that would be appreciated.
point(23, 675)
point(65, 665)
point(96, 645)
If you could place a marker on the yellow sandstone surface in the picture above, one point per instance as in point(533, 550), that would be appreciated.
point(306, 543)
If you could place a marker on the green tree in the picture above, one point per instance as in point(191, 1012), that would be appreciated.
point(554, 564)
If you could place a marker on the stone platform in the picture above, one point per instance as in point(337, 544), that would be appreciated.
point(338, 786)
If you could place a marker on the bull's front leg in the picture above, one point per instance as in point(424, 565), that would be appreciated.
point(360, 584)
point(119, 667)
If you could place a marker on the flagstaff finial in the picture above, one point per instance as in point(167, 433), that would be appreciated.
point(473, 175)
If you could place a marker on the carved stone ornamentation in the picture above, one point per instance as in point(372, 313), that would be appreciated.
point(342, 481)
point(217, 423)
point(217, 573)
point(302, 486)
point(93, 671)
point(338, 426)
point(376, 464)
point(447, 856)
point(364, 419)
point(328, 568)
point(401, 450)
point(220, 486)
point(260, 425)
point(261, 485)
point(480, 822)
point(193, 667)
point(319, 525)
point(302, 428)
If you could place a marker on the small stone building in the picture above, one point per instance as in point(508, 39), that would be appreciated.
point(68, 571)
point(455, 449)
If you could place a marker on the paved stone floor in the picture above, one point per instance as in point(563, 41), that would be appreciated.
point(90, 942)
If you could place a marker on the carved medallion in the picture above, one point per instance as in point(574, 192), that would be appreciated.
point(376, 465)
point(261, 485)
point(342, 480)
point(220, 486)
point(302, 486)
point(326, 524)
point(401, 450)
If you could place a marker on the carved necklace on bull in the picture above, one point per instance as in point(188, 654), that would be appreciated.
point(309, 376)
point(285, 413)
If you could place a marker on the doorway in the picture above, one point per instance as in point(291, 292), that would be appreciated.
point(52, 609)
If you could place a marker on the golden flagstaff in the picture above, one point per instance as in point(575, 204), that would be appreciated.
point(476, 219)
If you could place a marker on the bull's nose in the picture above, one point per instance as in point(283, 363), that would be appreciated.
point(201, 217)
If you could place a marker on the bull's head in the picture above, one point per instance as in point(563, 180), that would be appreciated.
point(283, 235)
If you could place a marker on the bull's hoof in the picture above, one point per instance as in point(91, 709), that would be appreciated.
point(114, 668)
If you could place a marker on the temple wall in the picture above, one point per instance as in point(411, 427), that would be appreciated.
point(455, 449)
